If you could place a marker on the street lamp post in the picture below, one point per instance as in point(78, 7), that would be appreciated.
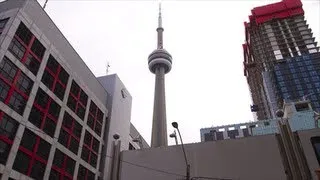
point(174, 135)
point(175, 125)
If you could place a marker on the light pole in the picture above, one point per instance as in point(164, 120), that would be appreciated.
point(174, 135)
point(175, 125)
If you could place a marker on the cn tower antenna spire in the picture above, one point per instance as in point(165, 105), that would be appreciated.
point(160, 17)
point(160, 29)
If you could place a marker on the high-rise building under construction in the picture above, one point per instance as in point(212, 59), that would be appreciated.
point(281, 58)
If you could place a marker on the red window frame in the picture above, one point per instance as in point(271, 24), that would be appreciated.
point(63, 173)
point(5, 139)
point(77, 98)
point(96, 116)
point(84, 173)
point(45, 111)
point(55, 73)
point(32, 154)
point(12, 85)
point(90, 146)
point(70, 132)
point(28, 49)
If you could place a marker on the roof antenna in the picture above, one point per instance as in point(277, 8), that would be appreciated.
point(107, 68)
point(45, 4)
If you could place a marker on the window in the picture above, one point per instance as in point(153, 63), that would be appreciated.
point(32, 155)
point(95, 118)
point(90, 149)
point(3, 23)
point(62, 166)
point(70, 133)
point(85, 174)
point(44, 113)
point(55, 77)
point(77, 100)
point(8, 129)
point(315, 141)
point(15, 86)
point(27, 48)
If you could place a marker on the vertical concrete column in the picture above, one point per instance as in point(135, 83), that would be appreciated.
point(159, 124)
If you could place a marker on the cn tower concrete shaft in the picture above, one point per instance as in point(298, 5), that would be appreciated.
point(159, 125)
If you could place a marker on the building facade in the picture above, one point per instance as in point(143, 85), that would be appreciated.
point(281, 58)
point(56, 117)
point(299, 115)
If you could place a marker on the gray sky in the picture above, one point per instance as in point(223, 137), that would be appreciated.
point(205, 87)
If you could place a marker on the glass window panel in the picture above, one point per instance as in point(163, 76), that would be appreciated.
point(7, 69)
point(67, 120)
point(77, 129)
point(58, 158)
point(52, 64)
point(75, 88)
point(81, 111)
point(54, 109)
point(37, 48)
point(59, 91)
point(72, 103)
point(49, 127)
point(54, 175)
point(28, 139)
point(85, 154)
point(74, 145)
point(21, 162)
point(36, 117)
point(37, 170)
point(47, 79)
point(4, 88)
point(24, 84)
point(63, 138)
point(93, 160)
point(63, 76)
point(70, 164)
point(8, 127)
point(32, 64)
point(24, 33)
point(17, 102)
point(4, 152)
point(17, 49)
point(42, 98)
point(83, 98)
point(43, 149)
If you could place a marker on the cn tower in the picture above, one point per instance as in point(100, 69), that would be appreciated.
point(160, 62)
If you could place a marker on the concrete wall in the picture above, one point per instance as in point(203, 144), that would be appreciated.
point(308, 149)
point(249, 158)
point(119, 107)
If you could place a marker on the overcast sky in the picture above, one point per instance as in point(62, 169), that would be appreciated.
point(205, 87)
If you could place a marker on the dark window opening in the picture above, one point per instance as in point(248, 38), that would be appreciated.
point(95, 118)
point(44, 113)
point(90, 149)
point(77, 100)
point(32, 155)
point(8, 129)
point(315, 141)
point(24, 33)
point(55, 77)
point(302, 107)
point(70, 133)
point(131, 147)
